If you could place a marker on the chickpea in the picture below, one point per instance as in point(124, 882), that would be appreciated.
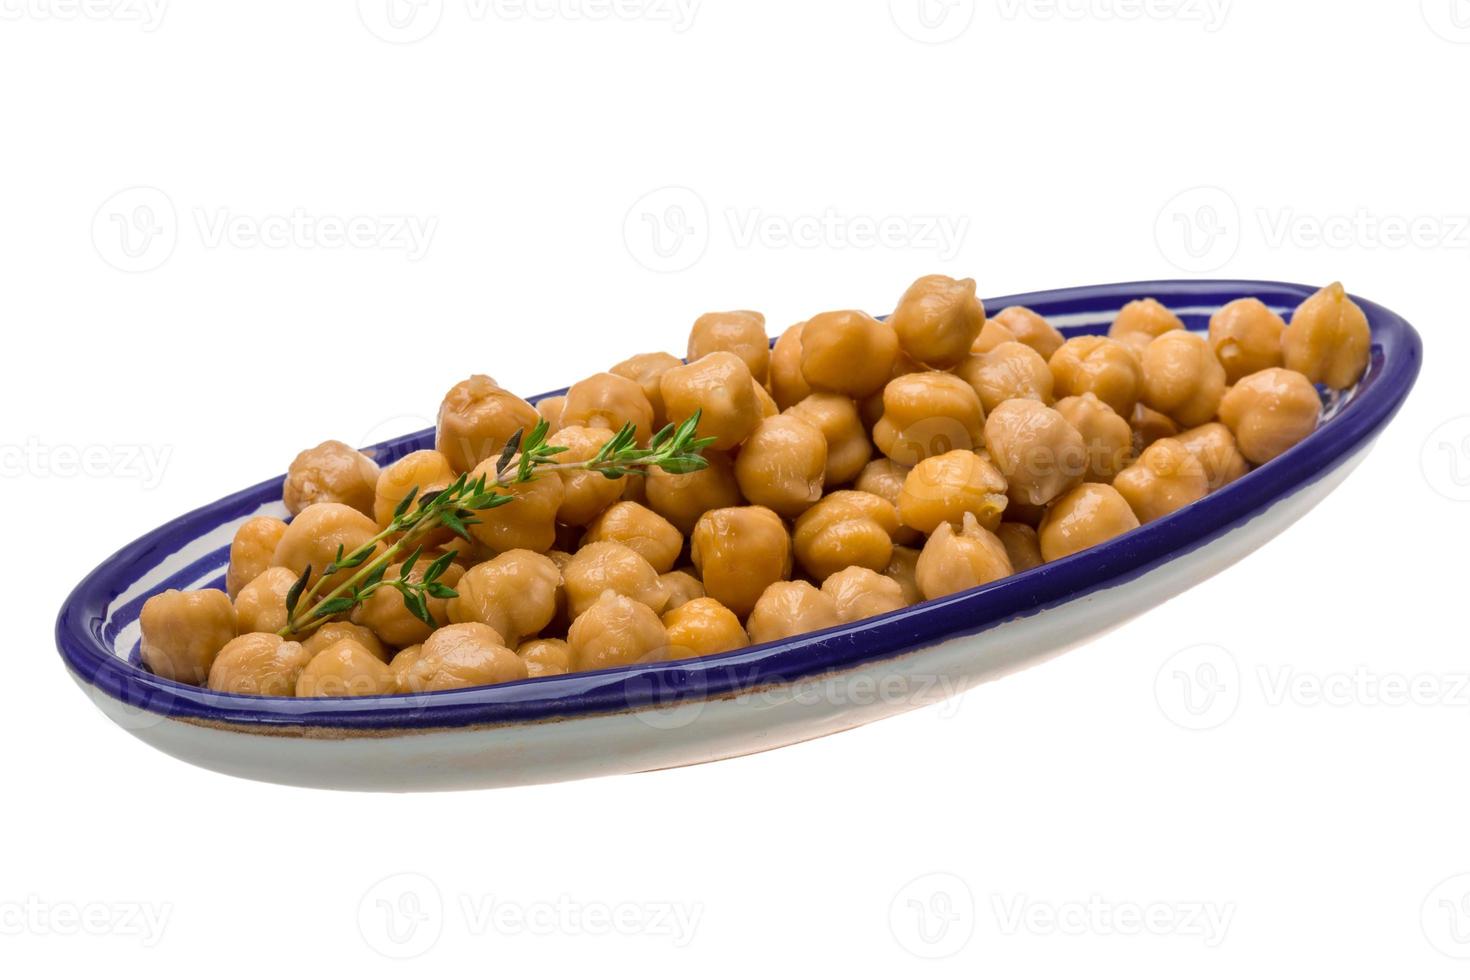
point(1082, 517)
point(1104, 432)
point(847, 352)
point(514, 594)
point(384, 613)
point(861, 593)
point(546, 658)
point(1181, 378)
point(848, 447)
point(1101, 365)
point(1164, 479)
point(782, 465)
point(636, 489)
point(1149, 427)
point(928, 414)
point(182, 633)
point(847, 528)
point(606, 566)
point(739, 551)
point(683, 589)
point(529, 521)
point(1022, 545)
point(259, 663)
point(954, 561)
point(314, 535)
point(550, 409)
point(1019, 512)
point(251, 551)
point(1010, 370)
point(992, 335)
point(871, 409)
point(1031, 329)
point(787, 609)
point(1246, 337)
point(402, 666)
point(425, 470)
point(1039, 452)
point(648, 370)
point(1271, 411)
point(738, 332)
point(332, 633)
point(765, 404)
point(943, 489)
point(1146, 317)
point(464, 655)
point(885, 478)
point(682, 498)
point(261, 605)
point(1328, 339)
point(1214, 446)
point(938, 319)
point(476, 420)
point(634, 525)
point(788, 384)
point(721, 387)
point(703, 628)
point(608, 401)
point(904, 569)
point(587, 494)
point(616, 631)
point(345, 670)
point(332, 473)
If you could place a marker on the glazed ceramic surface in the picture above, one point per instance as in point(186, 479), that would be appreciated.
point(669, 714)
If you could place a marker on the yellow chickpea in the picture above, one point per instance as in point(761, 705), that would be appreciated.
point(515, 594)
point(313, 538)
point(683, 498)
point(739, 551)
point(904, 569)
point(928, 414)
point(1182, 379)
point(384, 613)
point(464, 655)
point(953, 561)
point(260, 607)
point(1030, 328)
point(1039, 452)
point(648, 370)
point(586, 494)
point(332, 473)
point(861, 593)
point(546, 658)
point(1022, 545)
point(1149, 427)
point(782, 465)
point(1146, 317)
point(1082, 517)
point(1101, 365)
point(848, 447)
point(529, 520)
point(402, 664)
point(847, 352)
point(476, 420)
point(846, 528)
point(738, 332)
point(788, 384)
point(606, 566)
point(992, 335)
point(259, 663)
point(766, 405)
point(703, 628)
point(345, 670)
point(1328, 339)
point(550, 409)
point(787, 609)
point(937, 320)
point(183, 632)
point(1104, 432)
point(607, 401)
point(1271, 411)
point(943, 489)
point(420, 471)
point(634, 525)
point(331, 634)
point(251, 551)
point(1214, 446)
point(1246, 337)
point(885, 478)
point(683, 588)
point(1010, 370)
point(1164, 479)
point(616, 631)
point(720, 387)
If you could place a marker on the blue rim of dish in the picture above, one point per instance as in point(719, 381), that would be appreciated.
point(1394, 366)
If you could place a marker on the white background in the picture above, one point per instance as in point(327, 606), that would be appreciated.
point(188, 338)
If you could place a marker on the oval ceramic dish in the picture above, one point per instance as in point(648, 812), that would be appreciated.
point(654, 716)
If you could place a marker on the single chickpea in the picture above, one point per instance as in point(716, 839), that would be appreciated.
point(703, 628)
point(1101, 365)
point(1246, 337)
point(314, 536)
point(402, 664)
point(943, 489)
point(1104, 432)
point(938, 319)
point(331, 634)
point(261, 605)
point(871, 408)
point(1039, 452)
point(384, 613)
point(1164, 479)
point(848, 447)
point(616, 631)
point(476, 420)
point(606, 566)
point(529, 520)
point(1022, 545)
point(904, 569)
point(720, 387)
point(1146, 317)
point(1031, 329)
point(992, 335)
point(683, 498)
point(683, 588)
point(546, 658)
point(648, 370)
point(1082, 517)
point(928, 414)
point(788, 384)
point(1181, 378)
point(464, 655)
point(1214, 446)
point(739, 551)
point(787, 609)
point(259, 663)
point(420, 472)
point(550, 409)
point(782, 465)
point(766, 404)
point(1328, 339)
point(847, 352)
point(182, 633)
point(251, 551)
point(738, 332)
point(846, 528)
point(345, 670)
point(586, 494)
point(608, 401)
point(332, 473)
point(1271, 411)
point(1149, 427)
point(514, 594)
point(861, 593)
point(1011, 370)
point(885, 478)
point(953, 561)
point(634, 525)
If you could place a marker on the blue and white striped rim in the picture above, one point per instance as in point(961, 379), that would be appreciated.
point(97, 632)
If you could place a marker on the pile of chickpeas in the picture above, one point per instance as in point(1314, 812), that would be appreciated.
point(859, 466)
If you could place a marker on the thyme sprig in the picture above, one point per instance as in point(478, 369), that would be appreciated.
point(674, 449)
